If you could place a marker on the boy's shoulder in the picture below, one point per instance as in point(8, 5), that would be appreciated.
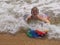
point(43, 15)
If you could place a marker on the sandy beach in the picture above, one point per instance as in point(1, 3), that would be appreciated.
point(11, 14)
point(22, 39)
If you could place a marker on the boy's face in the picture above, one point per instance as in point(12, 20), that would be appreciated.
point(34, 11)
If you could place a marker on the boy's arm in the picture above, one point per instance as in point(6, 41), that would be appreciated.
point(28, 18)
point(44, 19)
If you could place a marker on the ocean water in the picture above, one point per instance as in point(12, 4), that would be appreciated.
point(13, 12)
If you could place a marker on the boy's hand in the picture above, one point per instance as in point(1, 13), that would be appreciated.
point(47, 21)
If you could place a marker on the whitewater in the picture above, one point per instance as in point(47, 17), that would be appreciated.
point(13, 12)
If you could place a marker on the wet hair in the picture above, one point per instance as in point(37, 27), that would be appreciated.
point(35, 9)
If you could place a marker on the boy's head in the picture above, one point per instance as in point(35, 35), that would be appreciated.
point(34, 11)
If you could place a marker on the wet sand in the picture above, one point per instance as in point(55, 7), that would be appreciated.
point(22, 39)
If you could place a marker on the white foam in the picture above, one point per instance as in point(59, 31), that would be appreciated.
point(13, 11)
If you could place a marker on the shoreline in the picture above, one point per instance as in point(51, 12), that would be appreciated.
point(21, 38)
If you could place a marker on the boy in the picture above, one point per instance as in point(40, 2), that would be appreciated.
point(35, 16)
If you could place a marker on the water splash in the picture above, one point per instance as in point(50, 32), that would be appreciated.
point(13, 11)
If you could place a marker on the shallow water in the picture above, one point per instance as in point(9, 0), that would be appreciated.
point(13, 11)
